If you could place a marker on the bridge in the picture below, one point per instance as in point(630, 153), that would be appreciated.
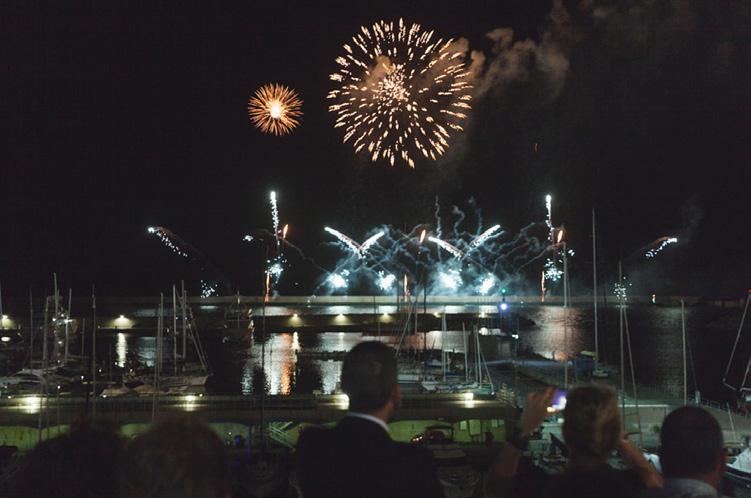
point(34, 410)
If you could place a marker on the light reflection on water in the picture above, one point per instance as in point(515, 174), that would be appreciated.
point(655, 335)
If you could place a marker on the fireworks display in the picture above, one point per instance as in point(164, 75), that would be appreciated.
point(274, 216)
point(478, 241)
point(207, 290)
point(275, 266)
point(338, 280)
point(659, 245)
point(369, 242)
point(620, 290)
point(354, 246)
point(401, 92)
point(275, 109)
point(450, 279)
point(456, 252)
point(168, 239)
point(385, 281)
point(486, 284)
point(359, 249)
point(551, 271)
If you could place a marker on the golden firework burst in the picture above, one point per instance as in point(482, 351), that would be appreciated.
point(275, 109)
point(401, 92)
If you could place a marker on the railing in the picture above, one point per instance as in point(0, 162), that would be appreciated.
point(271, 402)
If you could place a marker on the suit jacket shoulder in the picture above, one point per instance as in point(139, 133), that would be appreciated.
point(358, 459)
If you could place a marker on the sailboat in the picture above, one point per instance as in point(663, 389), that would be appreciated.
point(185, 376)
point(599, 371)
point(738, 468)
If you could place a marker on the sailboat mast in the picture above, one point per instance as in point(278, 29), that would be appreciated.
point(683, 334)
point(477, 355)
point(57, 296)
point(594, 287)
point(466, 353)
point(185, 334)
point(174, 329)
point(44, 331)
point(565, 318)
point(31, 328)
point(67, 322)
point(620, 330)
point(93, 352)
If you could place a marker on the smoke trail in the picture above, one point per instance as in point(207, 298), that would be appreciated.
point(437, 216)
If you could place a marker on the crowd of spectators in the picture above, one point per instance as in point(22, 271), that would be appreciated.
point(183, 457)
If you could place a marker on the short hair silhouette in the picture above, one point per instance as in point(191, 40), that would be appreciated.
point(591, 425)
point(691, 442)
point(79, 464)
point(180, 457)
point(369, 376)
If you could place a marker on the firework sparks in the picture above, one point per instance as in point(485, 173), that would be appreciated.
point(402, 92)
point(207, 290)
point(422, 236)
point(369, 243)
point(486, 284)
point(457, 253)
point(663, 243)
point(275, 216)
point(620, 289)
point(385, 281)
point(338, 280)
point(353, 246)
point(275, 109)
point(549, 216)
point(275, 270)
point(480, 239)
point(167, 239)
point(552, 272)
point(450, 279)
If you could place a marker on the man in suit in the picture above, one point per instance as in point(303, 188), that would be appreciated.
point(358, 458)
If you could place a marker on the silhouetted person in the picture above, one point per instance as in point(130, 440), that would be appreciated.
point(592, 431)
point(358, 458)
point(177, 458)
point(80, 464)
point(692, 454)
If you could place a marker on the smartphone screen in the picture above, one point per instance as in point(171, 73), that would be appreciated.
point(559, 400)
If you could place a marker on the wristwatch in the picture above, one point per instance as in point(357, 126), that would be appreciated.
point(517, 440)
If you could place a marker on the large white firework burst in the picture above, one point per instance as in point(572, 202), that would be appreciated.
point(402, 92)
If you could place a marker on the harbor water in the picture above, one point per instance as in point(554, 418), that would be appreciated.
point(654, 332)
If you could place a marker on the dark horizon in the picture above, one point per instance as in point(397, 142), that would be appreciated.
point(119, 119)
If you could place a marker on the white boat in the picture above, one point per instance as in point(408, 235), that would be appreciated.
point(738, 468)
point(600, 373)
point(116, 391)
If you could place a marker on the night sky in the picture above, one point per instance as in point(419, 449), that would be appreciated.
point(119, 116)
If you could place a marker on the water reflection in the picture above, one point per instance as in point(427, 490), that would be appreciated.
point(121, 350)
point(655, 336)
